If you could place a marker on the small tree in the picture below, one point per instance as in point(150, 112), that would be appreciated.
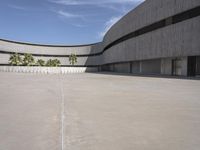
point(40, 62)
point(49, 63)
point(73, 59)
point(28, 60)
point(53, 63)
point(15, 59)
point(56, 63)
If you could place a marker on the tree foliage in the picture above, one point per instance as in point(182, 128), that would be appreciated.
point(73, 59)
point(40, 62)
point(15, 59)
point(53, 63)
point(28, 60)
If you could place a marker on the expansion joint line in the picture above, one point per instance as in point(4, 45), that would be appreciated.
point(62, 129)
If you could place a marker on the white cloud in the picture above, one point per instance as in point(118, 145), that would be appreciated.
point(109, 24)
point(78, 25)
point(117, 5)
point(93, 2)
point(68, 15)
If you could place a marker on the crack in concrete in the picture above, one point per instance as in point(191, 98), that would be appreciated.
point(62, 115)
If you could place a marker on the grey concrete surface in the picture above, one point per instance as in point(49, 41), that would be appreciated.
point(29, 112)
point(98, 112)
point(62, 51)
point(151, 66)
point(19, 47)
point(177, 40)
point(148, 12)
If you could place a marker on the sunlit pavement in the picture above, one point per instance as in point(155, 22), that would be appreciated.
point(98, 112)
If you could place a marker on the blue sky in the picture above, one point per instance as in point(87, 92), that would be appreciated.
point(65, 22)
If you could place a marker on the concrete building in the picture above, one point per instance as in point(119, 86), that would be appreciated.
point(159, 37)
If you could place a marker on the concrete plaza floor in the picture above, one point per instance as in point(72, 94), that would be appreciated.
point(98, 112)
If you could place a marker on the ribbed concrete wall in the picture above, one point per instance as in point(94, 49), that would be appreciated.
point(181, 39)
point(82, 61)
point(147, 13)
point(86, 53)
point(48, 49)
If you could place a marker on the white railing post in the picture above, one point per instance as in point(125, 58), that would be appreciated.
point(45, 70)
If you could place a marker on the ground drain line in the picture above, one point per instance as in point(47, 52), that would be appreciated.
point(62, 116)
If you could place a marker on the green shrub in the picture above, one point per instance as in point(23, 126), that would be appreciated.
point(53, 63)
point(40, 62)
point(73, 59)
point(28, 60)
point(56, 63)
point(15, 59)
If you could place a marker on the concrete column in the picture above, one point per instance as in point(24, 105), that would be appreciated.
point(166, 66)
point(184, 62)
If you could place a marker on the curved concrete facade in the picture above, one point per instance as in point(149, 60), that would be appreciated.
point(51, 51)
point(181, 39)
point(157, 37)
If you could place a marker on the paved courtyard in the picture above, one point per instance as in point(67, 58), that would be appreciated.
point(98, 112)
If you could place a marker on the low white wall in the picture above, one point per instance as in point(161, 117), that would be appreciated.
point(47, 70)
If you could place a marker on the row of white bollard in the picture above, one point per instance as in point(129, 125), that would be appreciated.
point(46, 70)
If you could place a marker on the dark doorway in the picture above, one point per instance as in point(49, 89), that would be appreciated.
point(198, 66)
point(192, 66)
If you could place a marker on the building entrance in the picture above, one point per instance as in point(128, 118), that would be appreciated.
point(194, 66)
point(198, 66)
